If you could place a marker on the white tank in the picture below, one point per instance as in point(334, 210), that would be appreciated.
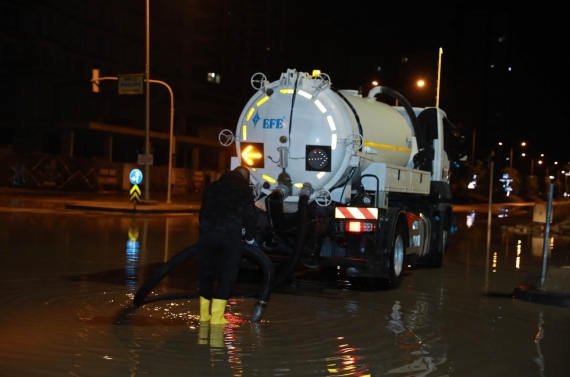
point(302, 127)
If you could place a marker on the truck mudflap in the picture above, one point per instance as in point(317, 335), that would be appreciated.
point(379, 251)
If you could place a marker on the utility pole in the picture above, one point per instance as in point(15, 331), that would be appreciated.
point(546, 242)
point(147, 106)
point(489, 219)
point(473, 147)
point(438, 77)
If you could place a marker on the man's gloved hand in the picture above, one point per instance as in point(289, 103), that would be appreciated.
point(252, 243)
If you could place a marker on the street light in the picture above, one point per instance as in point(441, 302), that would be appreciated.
point(95, 80)
point(409, 90)
point(523, 144)
point(438, 77)
point(170, 138)
point(147, 100)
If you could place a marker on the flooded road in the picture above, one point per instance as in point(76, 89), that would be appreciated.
point(67, 280)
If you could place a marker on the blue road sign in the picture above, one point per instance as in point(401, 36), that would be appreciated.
point(136, 176)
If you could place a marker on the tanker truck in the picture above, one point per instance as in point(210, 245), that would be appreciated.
point(343, 180)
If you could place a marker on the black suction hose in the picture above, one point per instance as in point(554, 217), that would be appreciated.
point(141, 296)
point(267, 283)
point(300, 239)
point(274, 205)
point(147, 287)
point(422, 160)
point(420, 139)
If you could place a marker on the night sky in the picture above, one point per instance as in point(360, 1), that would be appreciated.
point(351, 40)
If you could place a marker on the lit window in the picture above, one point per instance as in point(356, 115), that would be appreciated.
point(214, 77)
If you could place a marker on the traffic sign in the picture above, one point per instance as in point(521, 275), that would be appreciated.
point(136, 176)
point(131, 84)
point(135, 194)
point(145, 159)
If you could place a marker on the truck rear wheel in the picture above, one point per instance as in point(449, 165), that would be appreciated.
point(397, 255)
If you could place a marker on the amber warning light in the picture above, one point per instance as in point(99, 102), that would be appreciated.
point(252, 155)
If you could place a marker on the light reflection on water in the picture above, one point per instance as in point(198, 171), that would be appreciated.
point(539, 360)
point(67, 288)
point(470, 219)
point(132, 258)
point(514, 247)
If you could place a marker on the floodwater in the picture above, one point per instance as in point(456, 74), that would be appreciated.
point(67, 280)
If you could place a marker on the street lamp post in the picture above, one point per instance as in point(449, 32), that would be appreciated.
point(96, 82)
point(511, 154)
point(438, 77)
point(170, 140)
point(501, 157)
point(147, 113)
point(147, 105)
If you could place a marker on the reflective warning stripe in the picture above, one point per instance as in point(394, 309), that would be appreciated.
point(386, 146)
point(356, 213)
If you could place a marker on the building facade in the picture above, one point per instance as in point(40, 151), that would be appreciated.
point(204, 51)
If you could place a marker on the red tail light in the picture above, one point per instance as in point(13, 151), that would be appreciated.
point(358, 226)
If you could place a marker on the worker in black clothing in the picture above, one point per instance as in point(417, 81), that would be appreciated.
point(228, 210)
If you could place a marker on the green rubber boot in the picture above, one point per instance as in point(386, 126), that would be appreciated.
point(204, 309)
point(218, 309)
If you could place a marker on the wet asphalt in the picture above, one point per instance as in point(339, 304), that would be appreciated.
point(69, 273)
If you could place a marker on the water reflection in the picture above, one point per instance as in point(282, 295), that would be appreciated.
point(166, 239)
point(539, 335)
point(503, 212)
point(514, 247)
point(63, 287)
point(419, 346)
point(348, 359)
point(518, 260)
point(223, 352)
point(538, 246)
point(470, 219)
point(132, 262)
point(396, 325)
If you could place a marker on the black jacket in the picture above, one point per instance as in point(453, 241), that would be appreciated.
point(228, 206)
